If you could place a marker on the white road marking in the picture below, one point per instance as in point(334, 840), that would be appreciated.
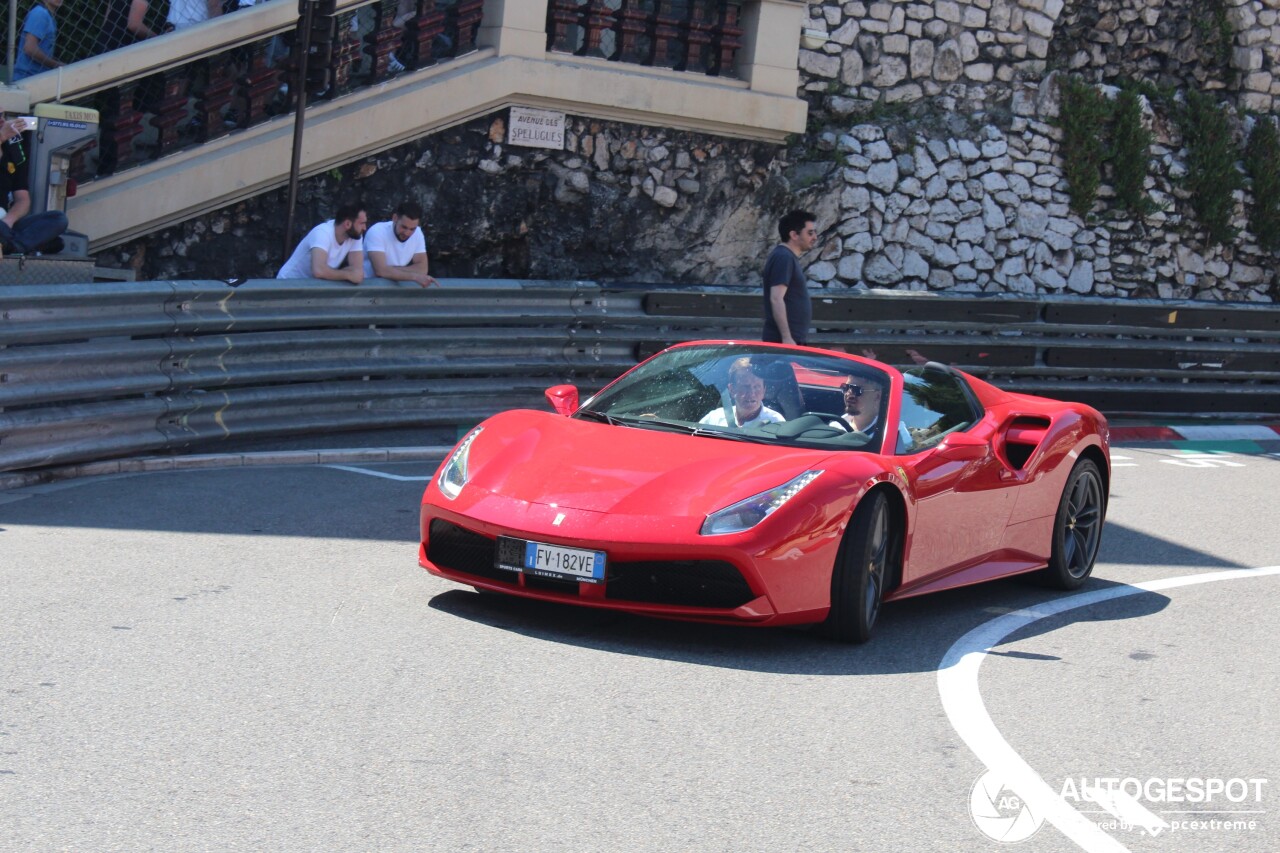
point(962, 700)
point(1204, 459)
point(1118, 461)
point(381, 474)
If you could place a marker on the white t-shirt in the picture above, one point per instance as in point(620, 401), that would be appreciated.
point(848, 419)
point(184, 13)
point(320, 237)
point(381, 237)
point(715, 417)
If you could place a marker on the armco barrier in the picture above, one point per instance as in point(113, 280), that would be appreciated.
point(114, 369)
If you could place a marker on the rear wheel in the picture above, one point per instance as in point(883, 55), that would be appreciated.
point(1077, 529)
point(861, 571)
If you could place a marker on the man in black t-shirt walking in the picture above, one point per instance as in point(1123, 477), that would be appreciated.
point(786, 297)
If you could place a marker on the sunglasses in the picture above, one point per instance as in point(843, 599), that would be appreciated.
point(850, 388)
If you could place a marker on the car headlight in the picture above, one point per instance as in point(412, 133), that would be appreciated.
point(746, 514)
point(454, 474)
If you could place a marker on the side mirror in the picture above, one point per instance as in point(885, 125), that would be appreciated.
point(961, 446)
point(563, 398)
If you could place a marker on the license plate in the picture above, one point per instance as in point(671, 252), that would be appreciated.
point(551, 561)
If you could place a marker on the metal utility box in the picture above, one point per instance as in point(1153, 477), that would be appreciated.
point(61, 133)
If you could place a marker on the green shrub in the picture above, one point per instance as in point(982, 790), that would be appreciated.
point(1216, 36)
point(1082, 116)
point(1262, 162)
point(1130, 157)
point(1212, 175)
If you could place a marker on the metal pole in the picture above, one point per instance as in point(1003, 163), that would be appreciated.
point(300, 92)
point(13, 35)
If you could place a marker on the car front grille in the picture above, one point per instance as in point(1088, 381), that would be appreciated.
point(687, 583)
point(458, 549)
point(693, 583)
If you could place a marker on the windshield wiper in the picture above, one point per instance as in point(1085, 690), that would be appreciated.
point(592, 414)
point(691, 429)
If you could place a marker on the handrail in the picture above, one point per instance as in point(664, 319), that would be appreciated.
point(95, 371)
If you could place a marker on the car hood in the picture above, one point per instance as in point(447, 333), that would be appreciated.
point(549, 459)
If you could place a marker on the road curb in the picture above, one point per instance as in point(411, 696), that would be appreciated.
point(1148, 433)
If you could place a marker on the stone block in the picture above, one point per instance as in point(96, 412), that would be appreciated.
point(896, 44)
point(822, 271)
point(1081, 278)
point(948, 10)
point(820, 64)
point(850, 267)
point(947, 64)
point(891, 71)
point(846, 32)
point(880, 270)
point(921, 58)
point(876, 151)
point(883, 176)
point(980, 72)
point(851, 68)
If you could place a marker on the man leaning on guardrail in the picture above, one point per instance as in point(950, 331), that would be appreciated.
point(396, 249)
point(333, 250)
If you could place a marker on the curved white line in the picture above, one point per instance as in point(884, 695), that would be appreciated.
point(958, 686)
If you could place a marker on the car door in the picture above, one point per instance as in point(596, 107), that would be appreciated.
point(962, 502)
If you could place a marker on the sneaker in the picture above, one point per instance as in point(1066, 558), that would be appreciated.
point(231, 119)
point(53, 247)
point(394, 65)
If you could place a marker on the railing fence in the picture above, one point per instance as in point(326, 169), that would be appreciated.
point(89, 372)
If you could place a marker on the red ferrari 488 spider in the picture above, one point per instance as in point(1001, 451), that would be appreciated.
point(770, 485)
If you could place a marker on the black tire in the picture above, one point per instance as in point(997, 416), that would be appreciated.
point(862, 569)
point(1077, 528)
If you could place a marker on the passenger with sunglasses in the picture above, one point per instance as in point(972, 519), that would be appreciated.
point(861, 403)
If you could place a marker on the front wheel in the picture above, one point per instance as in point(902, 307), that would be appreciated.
point(861, 571)
point(1077, 529)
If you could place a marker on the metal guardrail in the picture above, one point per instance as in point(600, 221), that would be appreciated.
point(89, 372)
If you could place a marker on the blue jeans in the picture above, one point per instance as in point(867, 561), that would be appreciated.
point(31, 232)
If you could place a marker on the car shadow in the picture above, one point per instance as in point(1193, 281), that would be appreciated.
point(912, 635)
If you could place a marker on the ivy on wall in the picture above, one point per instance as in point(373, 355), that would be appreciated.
point(1082, 116)
point(1262, 162)
point(1130, 154)
point(1217, 37)
point(1094, 132)
point(1212, 154)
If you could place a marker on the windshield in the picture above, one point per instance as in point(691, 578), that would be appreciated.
point(751, 393)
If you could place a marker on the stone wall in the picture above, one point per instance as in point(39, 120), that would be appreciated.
point(933, 162)
point(619, 202)
point(965, 190)
point(904, 50)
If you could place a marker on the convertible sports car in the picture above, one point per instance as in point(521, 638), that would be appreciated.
point(770, 485)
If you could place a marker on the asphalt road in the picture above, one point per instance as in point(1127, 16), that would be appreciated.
point(250, 659)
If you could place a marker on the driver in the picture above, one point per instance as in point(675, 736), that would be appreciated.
point(861, 403)
point(746, 389)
